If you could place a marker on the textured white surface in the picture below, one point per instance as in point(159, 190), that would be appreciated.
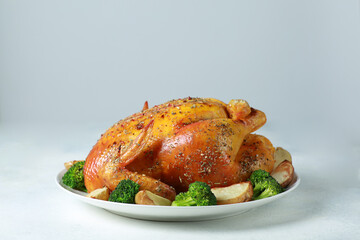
point(325, 205)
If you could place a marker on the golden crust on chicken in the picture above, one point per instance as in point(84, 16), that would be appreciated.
point(169, 146)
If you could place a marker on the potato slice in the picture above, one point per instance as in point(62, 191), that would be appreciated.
point(283, 173)
point(146, 197)
point(71, 163)
point(100, 193)
point(236, 193)
point(281, 155)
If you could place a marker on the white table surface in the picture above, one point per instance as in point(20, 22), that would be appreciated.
point(325, 206)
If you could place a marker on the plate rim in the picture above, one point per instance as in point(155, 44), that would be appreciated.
point(106, 205)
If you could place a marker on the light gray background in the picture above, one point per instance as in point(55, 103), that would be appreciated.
point(90, 61)
point(87, 64)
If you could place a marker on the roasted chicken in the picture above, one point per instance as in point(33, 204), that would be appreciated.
point(169, 146)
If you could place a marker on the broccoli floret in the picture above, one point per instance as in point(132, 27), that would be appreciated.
point(202, 194)
point(198, 194)
point(269, 187)
point(125, 192)
point(183, 199)
point(264, 185)
point(259, 176)
point(74, 177)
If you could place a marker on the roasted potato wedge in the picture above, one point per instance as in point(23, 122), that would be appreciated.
point(283, 173)
point(146, 197)
point(100, 193)
point(236, 193)
point(71, 163)
point(281, 155)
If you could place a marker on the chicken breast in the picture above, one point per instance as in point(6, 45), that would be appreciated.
point(167, 147)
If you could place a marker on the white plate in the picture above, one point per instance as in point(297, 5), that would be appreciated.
point(168, 213)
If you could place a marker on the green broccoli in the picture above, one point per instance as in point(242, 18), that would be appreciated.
point(198, 194)
point(259, 176)
point(74, 177)
point(125, 192)
point(183, 199)
point(264, 185)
